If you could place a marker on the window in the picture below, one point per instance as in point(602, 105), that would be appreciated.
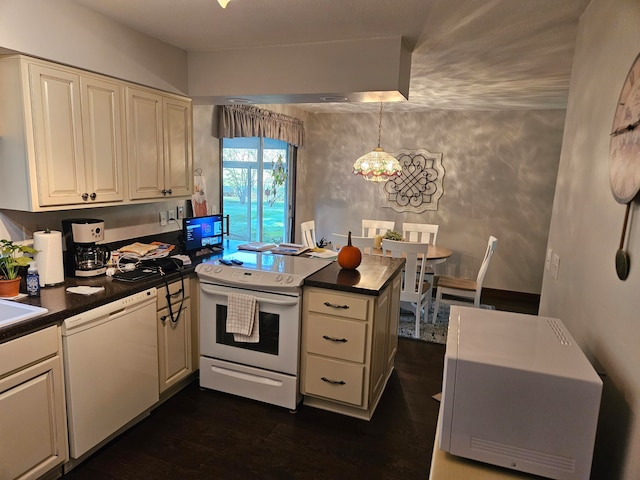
point(256, 188)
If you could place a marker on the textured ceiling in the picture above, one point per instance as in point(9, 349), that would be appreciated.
point(467, 54)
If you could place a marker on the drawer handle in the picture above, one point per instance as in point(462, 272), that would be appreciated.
point(327, 304)
point(327, 337)
point(333, 382)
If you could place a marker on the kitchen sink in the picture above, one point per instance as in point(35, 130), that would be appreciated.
point(12, 312)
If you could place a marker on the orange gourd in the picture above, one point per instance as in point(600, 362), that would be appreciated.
point(349, 257)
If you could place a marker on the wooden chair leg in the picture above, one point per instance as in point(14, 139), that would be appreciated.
point(436, 307)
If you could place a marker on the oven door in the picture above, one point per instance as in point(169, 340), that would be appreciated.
point(279, 315)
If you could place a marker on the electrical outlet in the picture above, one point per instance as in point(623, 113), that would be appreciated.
point(163, 219)
point(547, 260)
point(555, 265)
point(180, 211)
point(172, 214)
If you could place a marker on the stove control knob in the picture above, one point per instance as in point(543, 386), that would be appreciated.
point(217, 269)
point(288, 279)
point(207, 268)
point(278, 278)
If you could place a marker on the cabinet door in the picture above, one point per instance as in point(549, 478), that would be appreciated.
point(178, 146)
point(145, 144)
point(32, 421)
point(379, 342)
point(102, 130)
point(174, 345)
point(57, 119)
point(394, 318)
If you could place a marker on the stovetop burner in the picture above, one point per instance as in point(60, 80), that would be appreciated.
point(260, 270)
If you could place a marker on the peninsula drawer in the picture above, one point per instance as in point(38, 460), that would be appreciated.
point(334, 380)
point(337, 338)
point(331, 303)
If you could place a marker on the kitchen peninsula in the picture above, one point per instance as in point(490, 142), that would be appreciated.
point(350, 335)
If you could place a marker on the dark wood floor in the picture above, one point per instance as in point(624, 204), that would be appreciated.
point(202, 434)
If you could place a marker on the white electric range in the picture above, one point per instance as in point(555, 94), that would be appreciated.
point(266, 370)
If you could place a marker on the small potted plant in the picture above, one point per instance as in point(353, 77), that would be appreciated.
point(11, 259)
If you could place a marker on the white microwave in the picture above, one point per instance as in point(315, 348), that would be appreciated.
point(518, 393)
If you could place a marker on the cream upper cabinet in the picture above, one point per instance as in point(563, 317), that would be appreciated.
point(103, 123)
point(78, 137)
point(70, 138)
point(159, 131)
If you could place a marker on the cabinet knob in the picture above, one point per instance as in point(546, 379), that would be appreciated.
point(169, 192)
point(85, 196)
point(93, 196)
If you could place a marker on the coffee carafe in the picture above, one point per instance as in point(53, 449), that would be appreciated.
point(84, 257)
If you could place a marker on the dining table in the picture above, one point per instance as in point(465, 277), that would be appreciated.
point(435, 253)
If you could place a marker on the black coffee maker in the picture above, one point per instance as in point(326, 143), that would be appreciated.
point(83, 257)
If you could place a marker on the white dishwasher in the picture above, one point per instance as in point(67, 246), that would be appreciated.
point(111, 369)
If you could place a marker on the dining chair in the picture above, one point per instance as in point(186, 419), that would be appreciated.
point(308, 230)
point(420, 232)
point(463, 291)
point(423, 233)
point(415, 290)
point(365, 244)
point(371, 228)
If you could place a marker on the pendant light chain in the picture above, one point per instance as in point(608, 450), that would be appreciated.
point(380, 125)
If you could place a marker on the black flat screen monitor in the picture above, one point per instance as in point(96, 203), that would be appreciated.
point(202, 232)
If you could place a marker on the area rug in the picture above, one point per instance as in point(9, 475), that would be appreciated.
point(430, 332)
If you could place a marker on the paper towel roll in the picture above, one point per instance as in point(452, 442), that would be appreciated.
point(49, 257)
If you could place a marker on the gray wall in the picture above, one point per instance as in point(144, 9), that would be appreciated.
point(500, 178)
point(600, 310)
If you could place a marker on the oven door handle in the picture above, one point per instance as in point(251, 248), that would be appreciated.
point(285, 303)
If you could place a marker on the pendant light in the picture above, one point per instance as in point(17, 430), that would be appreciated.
point(223, 3)
point(377, 165)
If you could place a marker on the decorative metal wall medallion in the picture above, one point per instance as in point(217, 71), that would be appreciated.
point(419, 187)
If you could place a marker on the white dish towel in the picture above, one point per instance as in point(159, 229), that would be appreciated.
point(243, 318)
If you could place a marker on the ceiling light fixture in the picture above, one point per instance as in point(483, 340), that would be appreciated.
point(223, 3)
point(377, 165)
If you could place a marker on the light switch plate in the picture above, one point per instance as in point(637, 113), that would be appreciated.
point(172, 214)
point(555, 265)
point(180, 211)
point(163, 219)
point(547, 260)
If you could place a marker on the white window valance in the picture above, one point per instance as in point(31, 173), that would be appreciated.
point(248, 121)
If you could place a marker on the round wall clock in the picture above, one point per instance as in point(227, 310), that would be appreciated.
point(624, 155)
point(624, 150)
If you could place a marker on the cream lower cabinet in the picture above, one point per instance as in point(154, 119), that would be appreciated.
point(348, 348)
point(33, 424)
point(175, 358)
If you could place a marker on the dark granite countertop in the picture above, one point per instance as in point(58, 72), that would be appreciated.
point(62, 304)
point(370, 278)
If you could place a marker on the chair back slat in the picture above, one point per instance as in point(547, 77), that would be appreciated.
point(365, 244)
point(420, 232)
point(308, 230)
point(371, 228)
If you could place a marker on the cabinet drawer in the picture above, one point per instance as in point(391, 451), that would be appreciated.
point(330, 303)
point(334, 380)
point(174, 291)
point(25, 350)
point(334, 337)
